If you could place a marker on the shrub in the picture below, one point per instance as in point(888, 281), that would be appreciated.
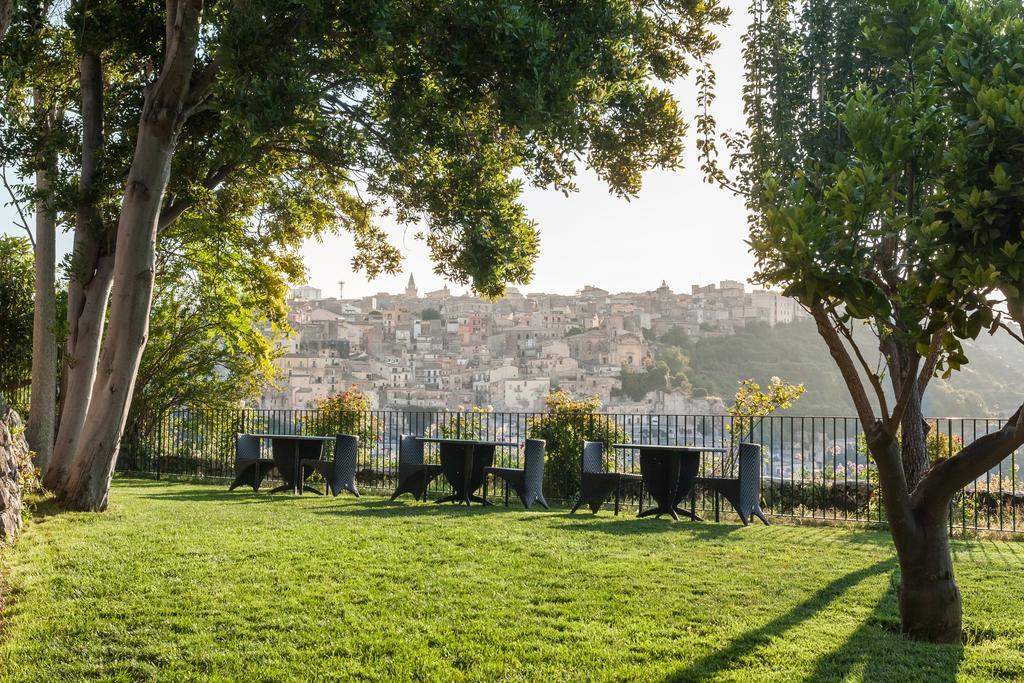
point(567, 424)
point(347, 412)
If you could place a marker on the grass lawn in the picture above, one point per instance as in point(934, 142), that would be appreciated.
point(188, 582)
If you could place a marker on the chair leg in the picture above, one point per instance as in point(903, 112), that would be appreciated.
point(757, 512)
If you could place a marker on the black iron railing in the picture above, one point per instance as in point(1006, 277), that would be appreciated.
point(813, 467)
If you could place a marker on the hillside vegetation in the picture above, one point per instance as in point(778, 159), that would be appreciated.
point(992, 384)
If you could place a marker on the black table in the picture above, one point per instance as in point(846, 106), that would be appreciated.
point(288, 450)
point(669, 473)
point(462, 463)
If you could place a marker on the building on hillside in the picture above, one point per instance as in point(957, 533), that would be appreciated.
point(307, 293)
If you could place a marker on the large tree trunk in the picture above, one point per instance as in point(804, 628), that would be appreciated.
point(87, 310)
point(89, 286)
point(6, 14)
point(89, 477)
point(42, 412)
point(930, 605)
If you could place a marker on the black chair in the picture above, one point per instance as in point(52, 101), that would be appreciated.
point(596, 484)
point(528, 482)
point(250, 468)
point(339, 473)
point(744, 493)
point(414, 476)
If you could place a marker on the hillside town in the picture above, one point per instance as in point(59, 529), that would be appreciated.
point(442, 351)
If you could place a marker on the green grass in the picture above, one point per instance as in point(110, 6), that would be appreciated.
point(188, 582)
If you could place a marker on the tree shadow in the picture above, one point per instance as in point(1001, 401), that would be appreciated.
point(44, 507)
point(635, 527)
point(360, 507)
point(246, 497)
point(878, 634)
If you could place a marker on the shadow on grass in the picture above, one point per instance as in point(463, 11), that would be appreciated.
point(631, 526)
point(217, 495)
point(869, 652)
point(405, 508)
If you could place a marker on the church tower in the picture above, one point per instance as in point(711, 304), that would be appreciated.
point(410, 289)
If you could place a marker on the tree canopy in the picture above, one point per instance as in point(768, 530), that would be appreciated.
point(318, 115)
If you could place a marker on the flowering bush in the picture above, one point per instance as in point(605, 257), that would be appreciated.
point(347, 412)
point(567, 424)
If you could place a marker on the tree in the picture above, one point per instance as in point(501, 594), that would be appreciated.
point(16, 286)
point(854, 173)
point(752, 402)
point(430, 314)
point(676, 336)
point(437, 114)
point(218, 307)
point(32, 99)
point(636, 384)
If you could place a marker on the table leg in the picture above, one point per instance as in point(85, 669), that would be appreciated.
point(689, 513)
point(668, 468)
point(467, 473)
point(296, 483)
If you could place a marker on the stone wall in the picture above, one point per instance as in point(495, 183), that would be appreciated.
point(14, 453)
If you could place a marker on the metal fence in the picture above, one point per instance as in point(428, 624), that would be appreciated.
point(18, 399)
point(812, 467)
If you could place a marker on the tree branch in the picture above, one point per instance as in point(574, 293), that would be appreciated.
point(23, 224)
point(908, 385)
point(846, 366)
point(176, 207)
point(928, 370)
point(948, 476)
point(201, 88)
point(876, 384)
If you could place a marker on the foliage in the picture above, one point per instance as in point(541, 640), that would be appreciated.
point(436, 114)
point(751, 401)
point(676, 336)
point(218, 282)
point(981, 75)
point(794, 350)
point(675, 360)
point(637, 384)
point(566, 424)
point(858, 192)
point(938, 445)
point(430, 314)
point(347, 412)
point(17, 286)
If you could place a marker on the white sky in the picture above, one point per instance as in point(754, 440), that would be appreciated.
point(679, 229)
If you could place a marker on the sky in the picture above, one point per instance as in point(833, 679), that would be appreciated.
point(679, 229)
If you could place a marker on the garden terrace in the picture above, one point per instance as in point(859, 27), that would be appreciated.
point(184, 581)
point(813, 467)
